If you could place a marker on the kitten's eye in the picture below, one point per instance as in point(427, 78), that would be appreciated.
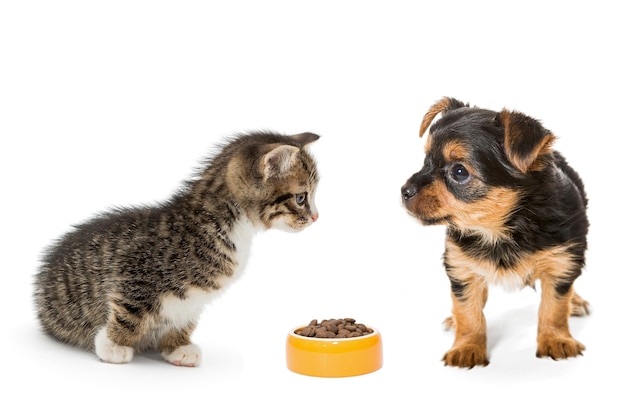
point(459, 173)
point(300, 198)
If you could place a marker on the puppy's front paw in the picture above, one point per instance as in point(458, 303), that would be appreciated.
point(186, 355)
point(559, 347)
point(466, 356)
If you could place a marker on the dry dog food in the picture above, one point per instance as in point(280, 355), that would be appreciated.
point(334, 328)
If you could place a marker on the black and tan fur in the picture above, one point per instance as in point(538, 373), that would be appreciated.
point(138, 278)
point(515, 213)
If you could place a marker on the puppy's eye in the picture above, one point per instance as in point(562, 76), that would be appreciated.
point(459, 173)
point(300, 198)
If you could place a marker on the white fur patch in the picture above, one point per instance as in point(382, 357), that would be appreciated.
point(508, 281)
point(109, 352)
point(186, 355)
point(180, 312)
point(242, 235)
point(282, 225)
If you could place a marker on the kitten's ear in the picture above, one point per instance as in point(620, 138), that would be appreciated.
point(304, 139)
point(278, 161)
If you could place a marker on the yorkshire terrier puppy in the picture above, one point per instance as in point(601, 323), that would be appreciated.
point(515, 212)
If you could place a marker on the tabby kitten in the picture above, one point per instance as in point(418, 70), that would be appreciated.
point(137, 278)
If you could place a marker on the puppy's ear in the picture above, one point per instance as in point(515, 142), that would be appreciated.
point(525, 140)
point(444, 105)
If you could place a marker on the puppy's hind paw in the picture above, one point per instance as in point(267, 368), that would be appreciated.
point(449, 324)
point(186, 355)
point(579, 307)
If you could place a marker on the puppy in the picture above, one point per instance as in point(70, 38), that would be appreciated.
point(515, 213)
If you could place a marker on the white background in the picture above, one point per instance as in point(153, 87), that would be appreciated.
point(116, 102)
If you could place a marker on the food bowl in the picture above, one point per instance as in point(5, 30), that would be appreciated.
point(334, 357)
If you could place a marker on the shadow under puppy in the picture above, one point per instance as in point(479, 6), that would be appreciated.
point(515, 213)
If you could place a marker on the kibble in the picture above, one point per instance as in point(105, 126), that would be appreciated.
point(334, 328)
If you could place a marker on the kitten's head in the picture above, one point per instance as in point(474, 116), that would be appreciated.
point(274, 178)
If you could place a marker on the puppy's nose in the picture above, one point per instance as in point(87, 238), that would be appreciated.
point(408, 191)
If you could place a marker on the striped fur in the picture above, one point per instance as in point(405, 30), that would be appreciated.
point(137, 278)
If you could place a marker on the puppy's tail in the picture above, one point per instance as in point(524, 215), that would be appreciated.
point(442, 106)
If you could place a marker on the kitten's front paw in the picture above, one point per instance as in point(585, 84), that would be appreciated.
point(110, 352)
point(186, 355)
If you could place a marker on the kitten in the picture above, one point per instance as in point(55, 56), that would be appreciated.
point(137, 278)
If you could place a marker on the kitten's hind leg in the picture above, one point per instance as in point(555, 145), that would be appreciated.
point(110, 352)
point(115, 342)
point(176, 348)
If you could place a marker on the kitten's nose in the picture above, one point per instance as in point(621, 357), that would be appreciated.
point(315, 216)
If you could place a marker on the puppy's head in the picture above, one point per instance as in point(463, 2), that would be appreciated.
point(476, 163)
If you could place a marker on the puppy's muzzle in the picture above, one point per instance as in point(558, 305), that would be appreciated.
point(408, 191)
point(415, 183)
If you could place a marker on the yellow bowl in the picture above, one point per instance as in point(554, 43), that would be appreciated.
point(334, 357)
